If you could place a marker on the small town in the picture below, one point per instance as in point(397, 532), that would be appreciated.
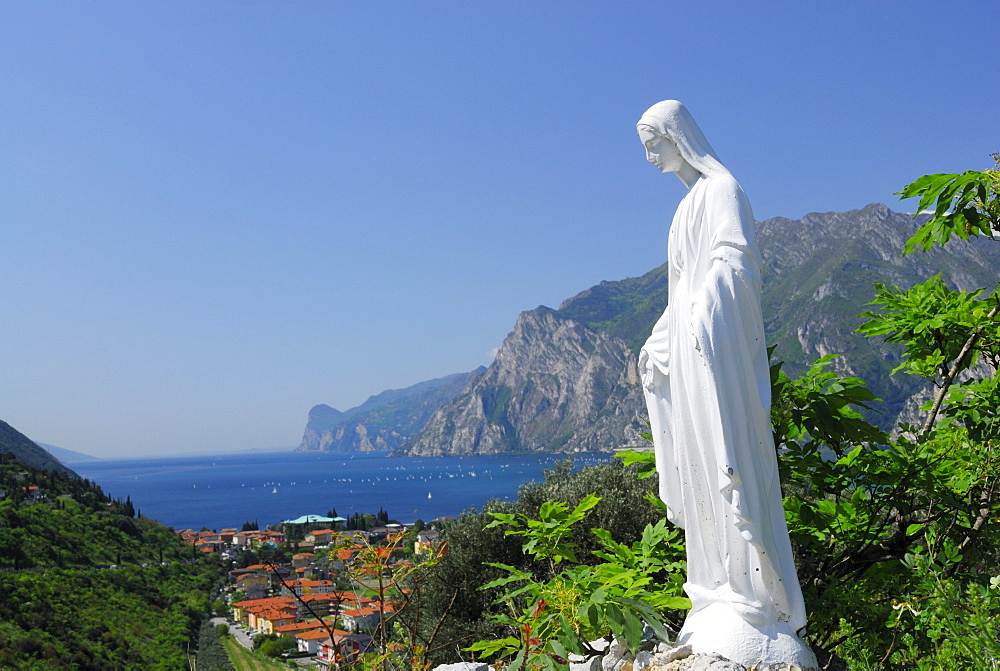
point(311, 589)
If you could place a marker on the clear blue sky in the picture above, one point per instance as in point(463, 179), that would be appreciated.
point(216, 215)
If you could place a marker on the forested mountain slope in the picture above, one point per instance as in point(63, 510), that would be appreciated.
point(86, 584)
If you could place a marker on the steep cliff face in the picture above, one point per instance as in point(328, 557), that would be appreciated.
point(555, 386)
point(384, 421)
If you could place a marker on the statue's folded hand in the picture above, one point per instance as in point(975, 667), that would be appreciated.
point(646, 369)
point(699, 324)
point(643, 360)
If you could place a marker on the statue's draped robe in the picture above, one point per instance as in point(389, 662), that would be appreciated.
point(707, 387)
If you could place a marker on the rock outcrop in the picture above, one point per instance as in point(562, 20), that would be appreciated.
point(820, 273)
point(555, 386)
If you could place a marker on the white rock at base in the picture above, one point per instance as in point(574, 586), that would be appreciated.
point(713, 663)
point(616, 656)
point(665, 655)
point(463, 666)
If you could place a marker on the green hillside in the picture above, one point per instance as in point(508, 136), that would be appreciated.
point(86, 585)
point(626, 309)
point(26, 451)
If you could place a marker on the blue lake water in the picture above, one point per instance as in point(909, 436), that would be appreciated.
point(227, 490)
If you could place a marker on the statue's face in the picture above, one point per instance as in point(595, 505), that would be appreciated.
point(660, 151)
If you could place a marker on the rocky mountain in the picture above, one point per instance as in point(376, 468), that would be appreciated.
point(565, 380)
point(383, 422)
point(555, 386)
point(820, 272)
point(28, 452)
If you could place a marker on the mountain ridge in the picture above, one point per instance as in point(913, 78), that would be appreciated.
point(384, 421)
point(564, 379)
point(67, 456)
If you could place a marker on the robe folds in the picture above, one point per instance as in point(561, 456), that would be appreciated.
point(707, 386)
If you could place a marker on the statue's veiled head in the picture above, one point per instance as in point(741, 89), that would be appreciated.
point(671, 120)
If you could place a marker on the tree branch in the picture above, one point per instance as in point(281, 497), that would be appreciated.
point(956, 368)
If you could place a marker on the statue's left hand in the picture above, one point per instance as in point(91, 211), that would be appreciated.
point(699, 324)
point(646, 369)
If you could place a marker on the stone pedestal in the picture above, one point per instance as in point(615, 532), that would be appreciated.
point(716, 629)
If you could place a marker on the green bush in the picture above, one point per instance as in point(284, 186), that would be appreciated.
point(452, 611)
point(271, 645)
point(548, 620)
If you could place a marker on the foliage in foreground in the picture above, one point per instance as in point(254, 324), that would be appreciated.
point(897, 535)
point(378, 571)
point(451, 604)
point(582, 603)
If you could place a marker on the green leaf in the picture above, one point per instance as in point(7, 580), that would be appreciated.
point(568, 637)
point(558, 648)
point(616, 619)
point(647, 459)
point(633, 630)
point(488, 648)
point(594, 617)
point(674, 602)
point(964, 205)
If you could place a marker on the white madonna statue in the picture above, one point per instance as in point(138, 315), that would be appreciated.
point(707, 387)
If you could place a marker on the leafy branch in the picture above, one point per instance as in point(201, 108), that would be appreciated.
point(551, 619)
point(966, 205)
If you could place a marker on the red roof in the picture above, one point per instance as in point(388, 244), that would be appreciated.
point(308, 583)
point(314, 634)
point(320, 597)
point(272, 601)
point(276, 614)
point(300, 626)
